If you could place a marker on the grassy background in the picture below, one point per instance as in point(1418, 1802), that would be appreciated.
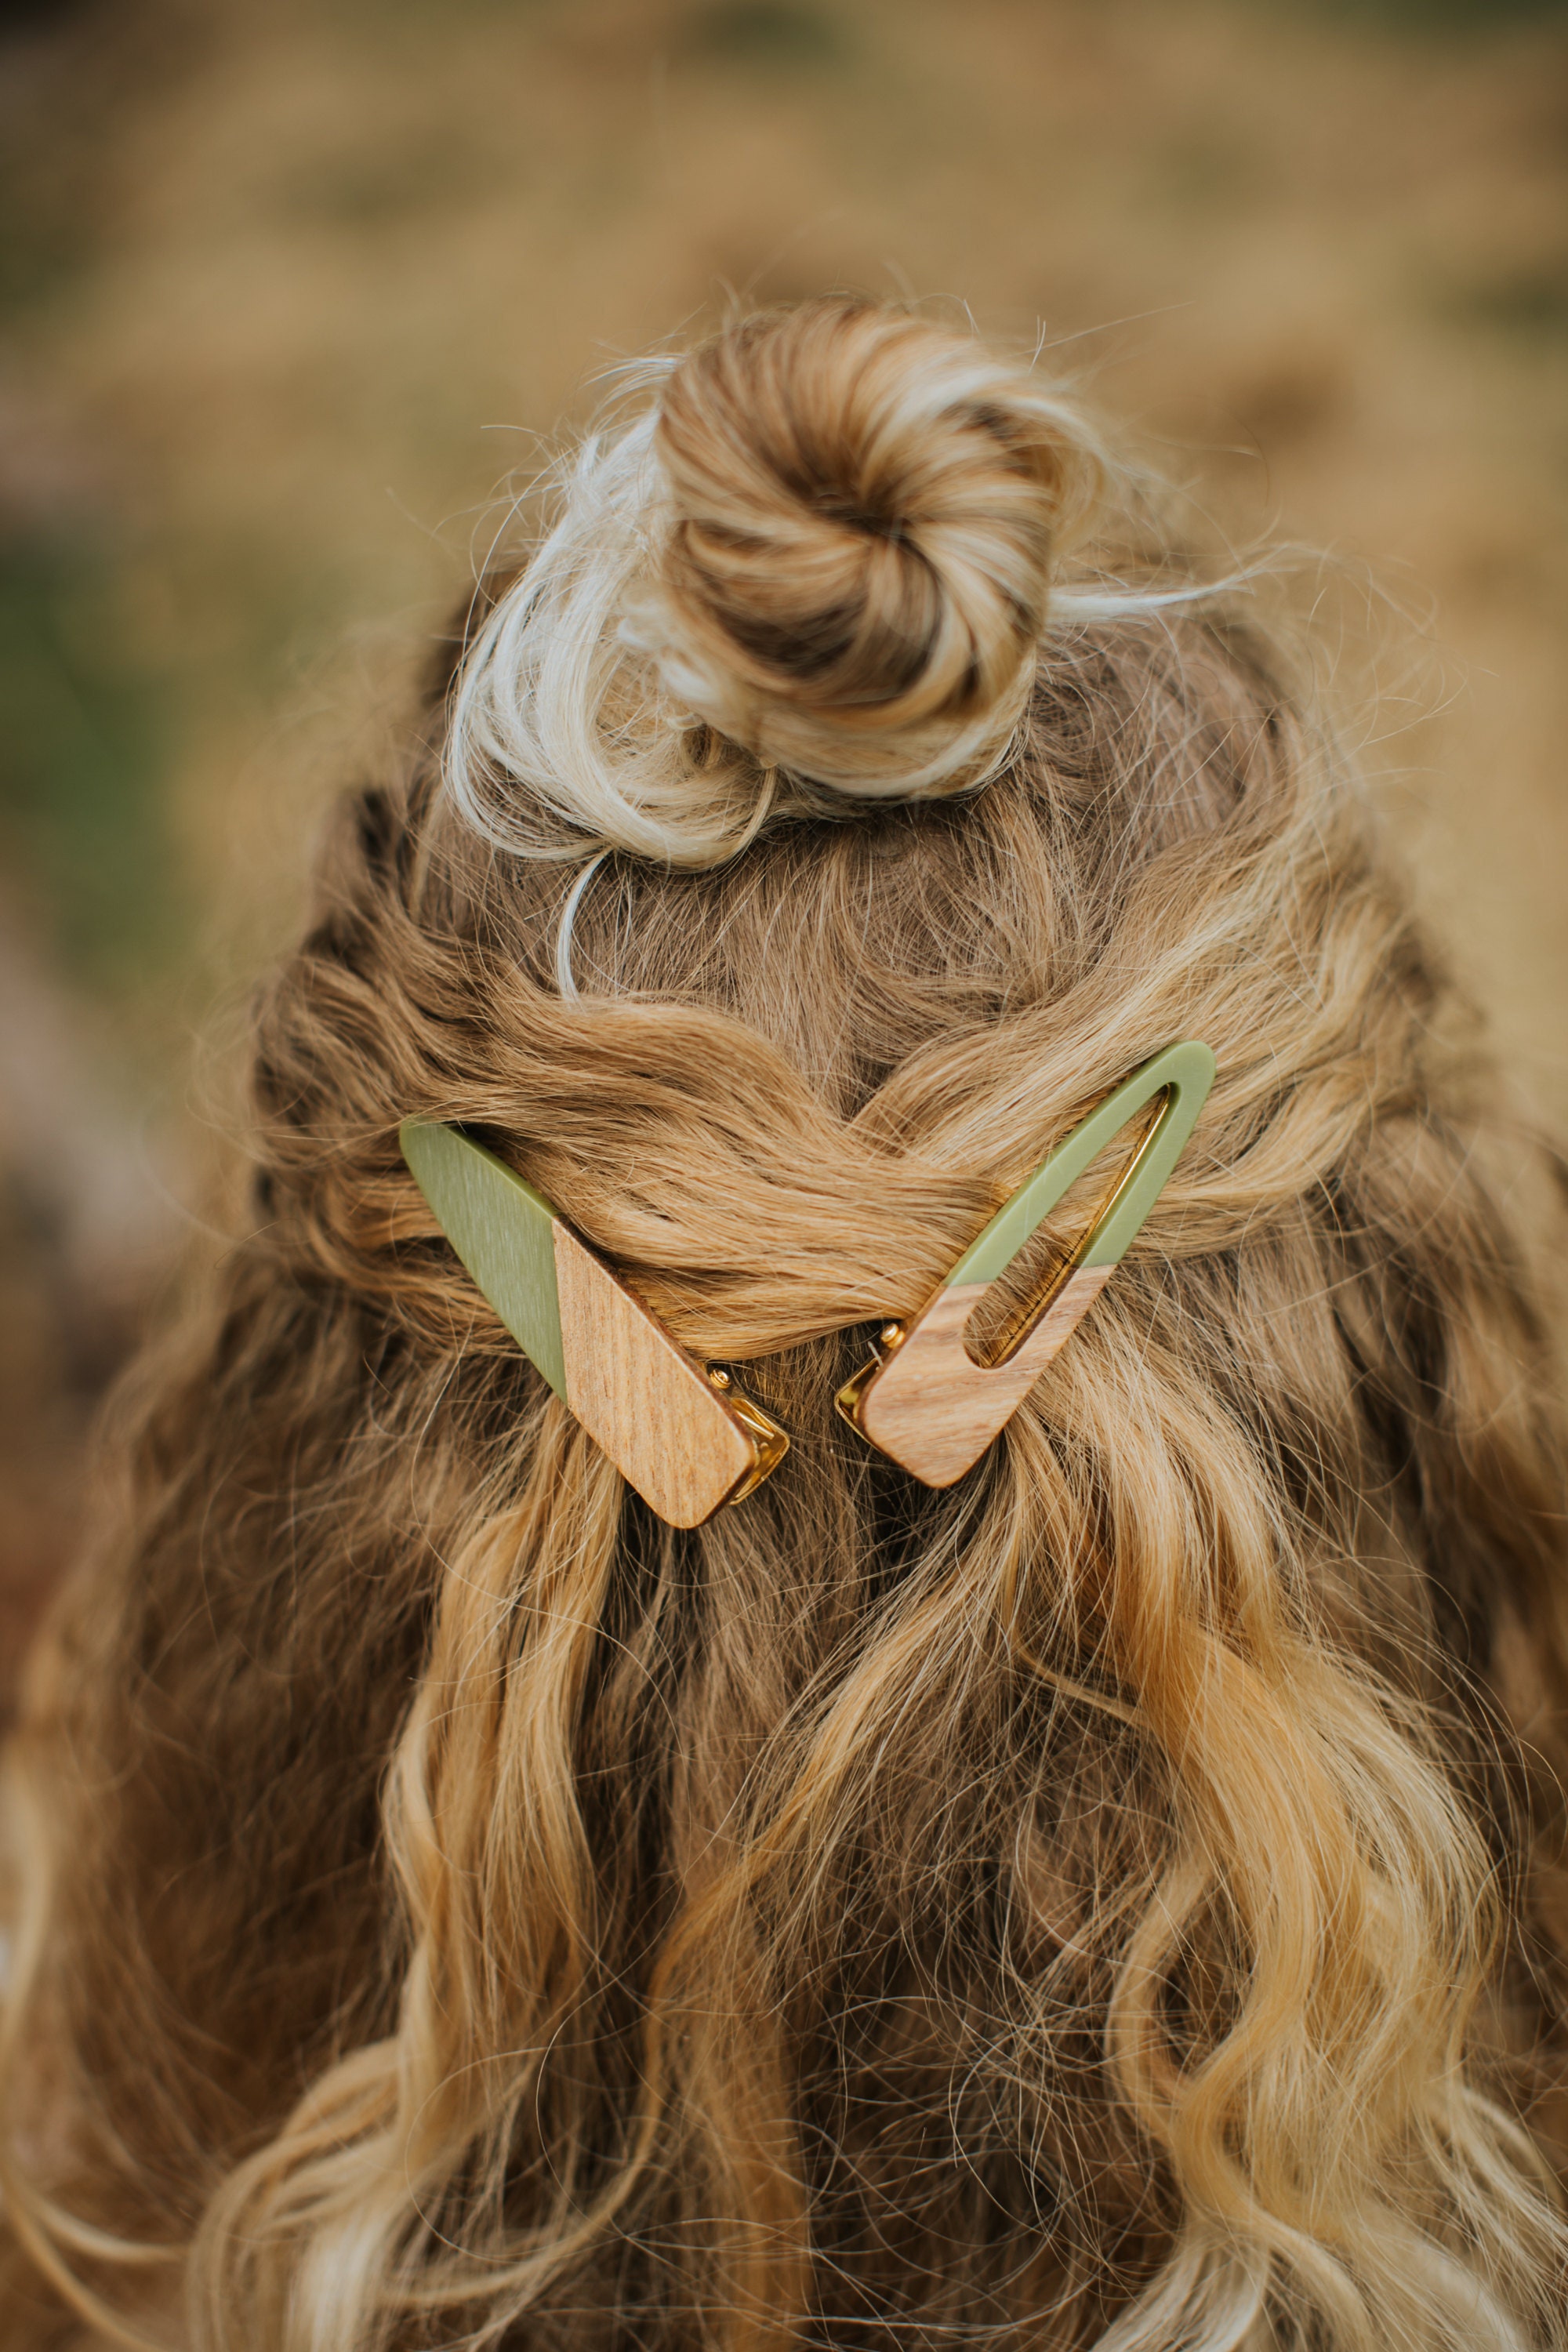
point(285, 292)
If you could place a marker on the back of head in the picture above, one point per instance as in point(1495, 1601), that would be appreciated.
point(1053, 1910)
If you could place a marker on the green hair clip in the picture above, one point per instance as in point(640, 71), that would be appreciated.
point(926, 1402)
point(677, 1430)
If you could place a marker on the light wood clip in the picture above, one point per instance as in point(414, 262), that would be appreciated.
point(926, 1402)
point(678, 1431)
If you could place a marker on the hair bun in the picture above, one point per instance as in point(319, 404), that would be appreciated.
point(863, 513)
point(827, 536)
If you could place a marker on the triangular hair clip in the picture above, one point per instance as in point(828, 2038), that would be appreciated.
point(926, 1402)
point(676, 1429)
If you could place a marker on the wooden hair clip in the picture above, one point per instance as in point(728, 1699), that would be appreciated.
point(676, 1431)
point(927, 1403)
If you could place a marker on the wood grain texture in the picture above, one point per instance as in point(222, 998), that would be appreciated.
point(932, 1409)
point(641, 1397)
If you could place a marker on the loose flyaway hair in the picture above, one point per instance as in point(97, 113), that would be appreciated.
point(1116, 1901)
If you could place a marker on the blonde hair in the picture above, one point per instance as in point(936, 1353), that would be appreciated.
point(814, 564)
point(1107, 1904)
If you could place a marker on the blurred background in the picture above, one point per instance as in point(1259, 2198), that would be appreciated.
point(286, 291)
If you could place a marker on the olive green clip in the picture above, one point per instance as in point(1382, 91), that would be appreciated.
point(925, 1400)
point(678, 1431)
